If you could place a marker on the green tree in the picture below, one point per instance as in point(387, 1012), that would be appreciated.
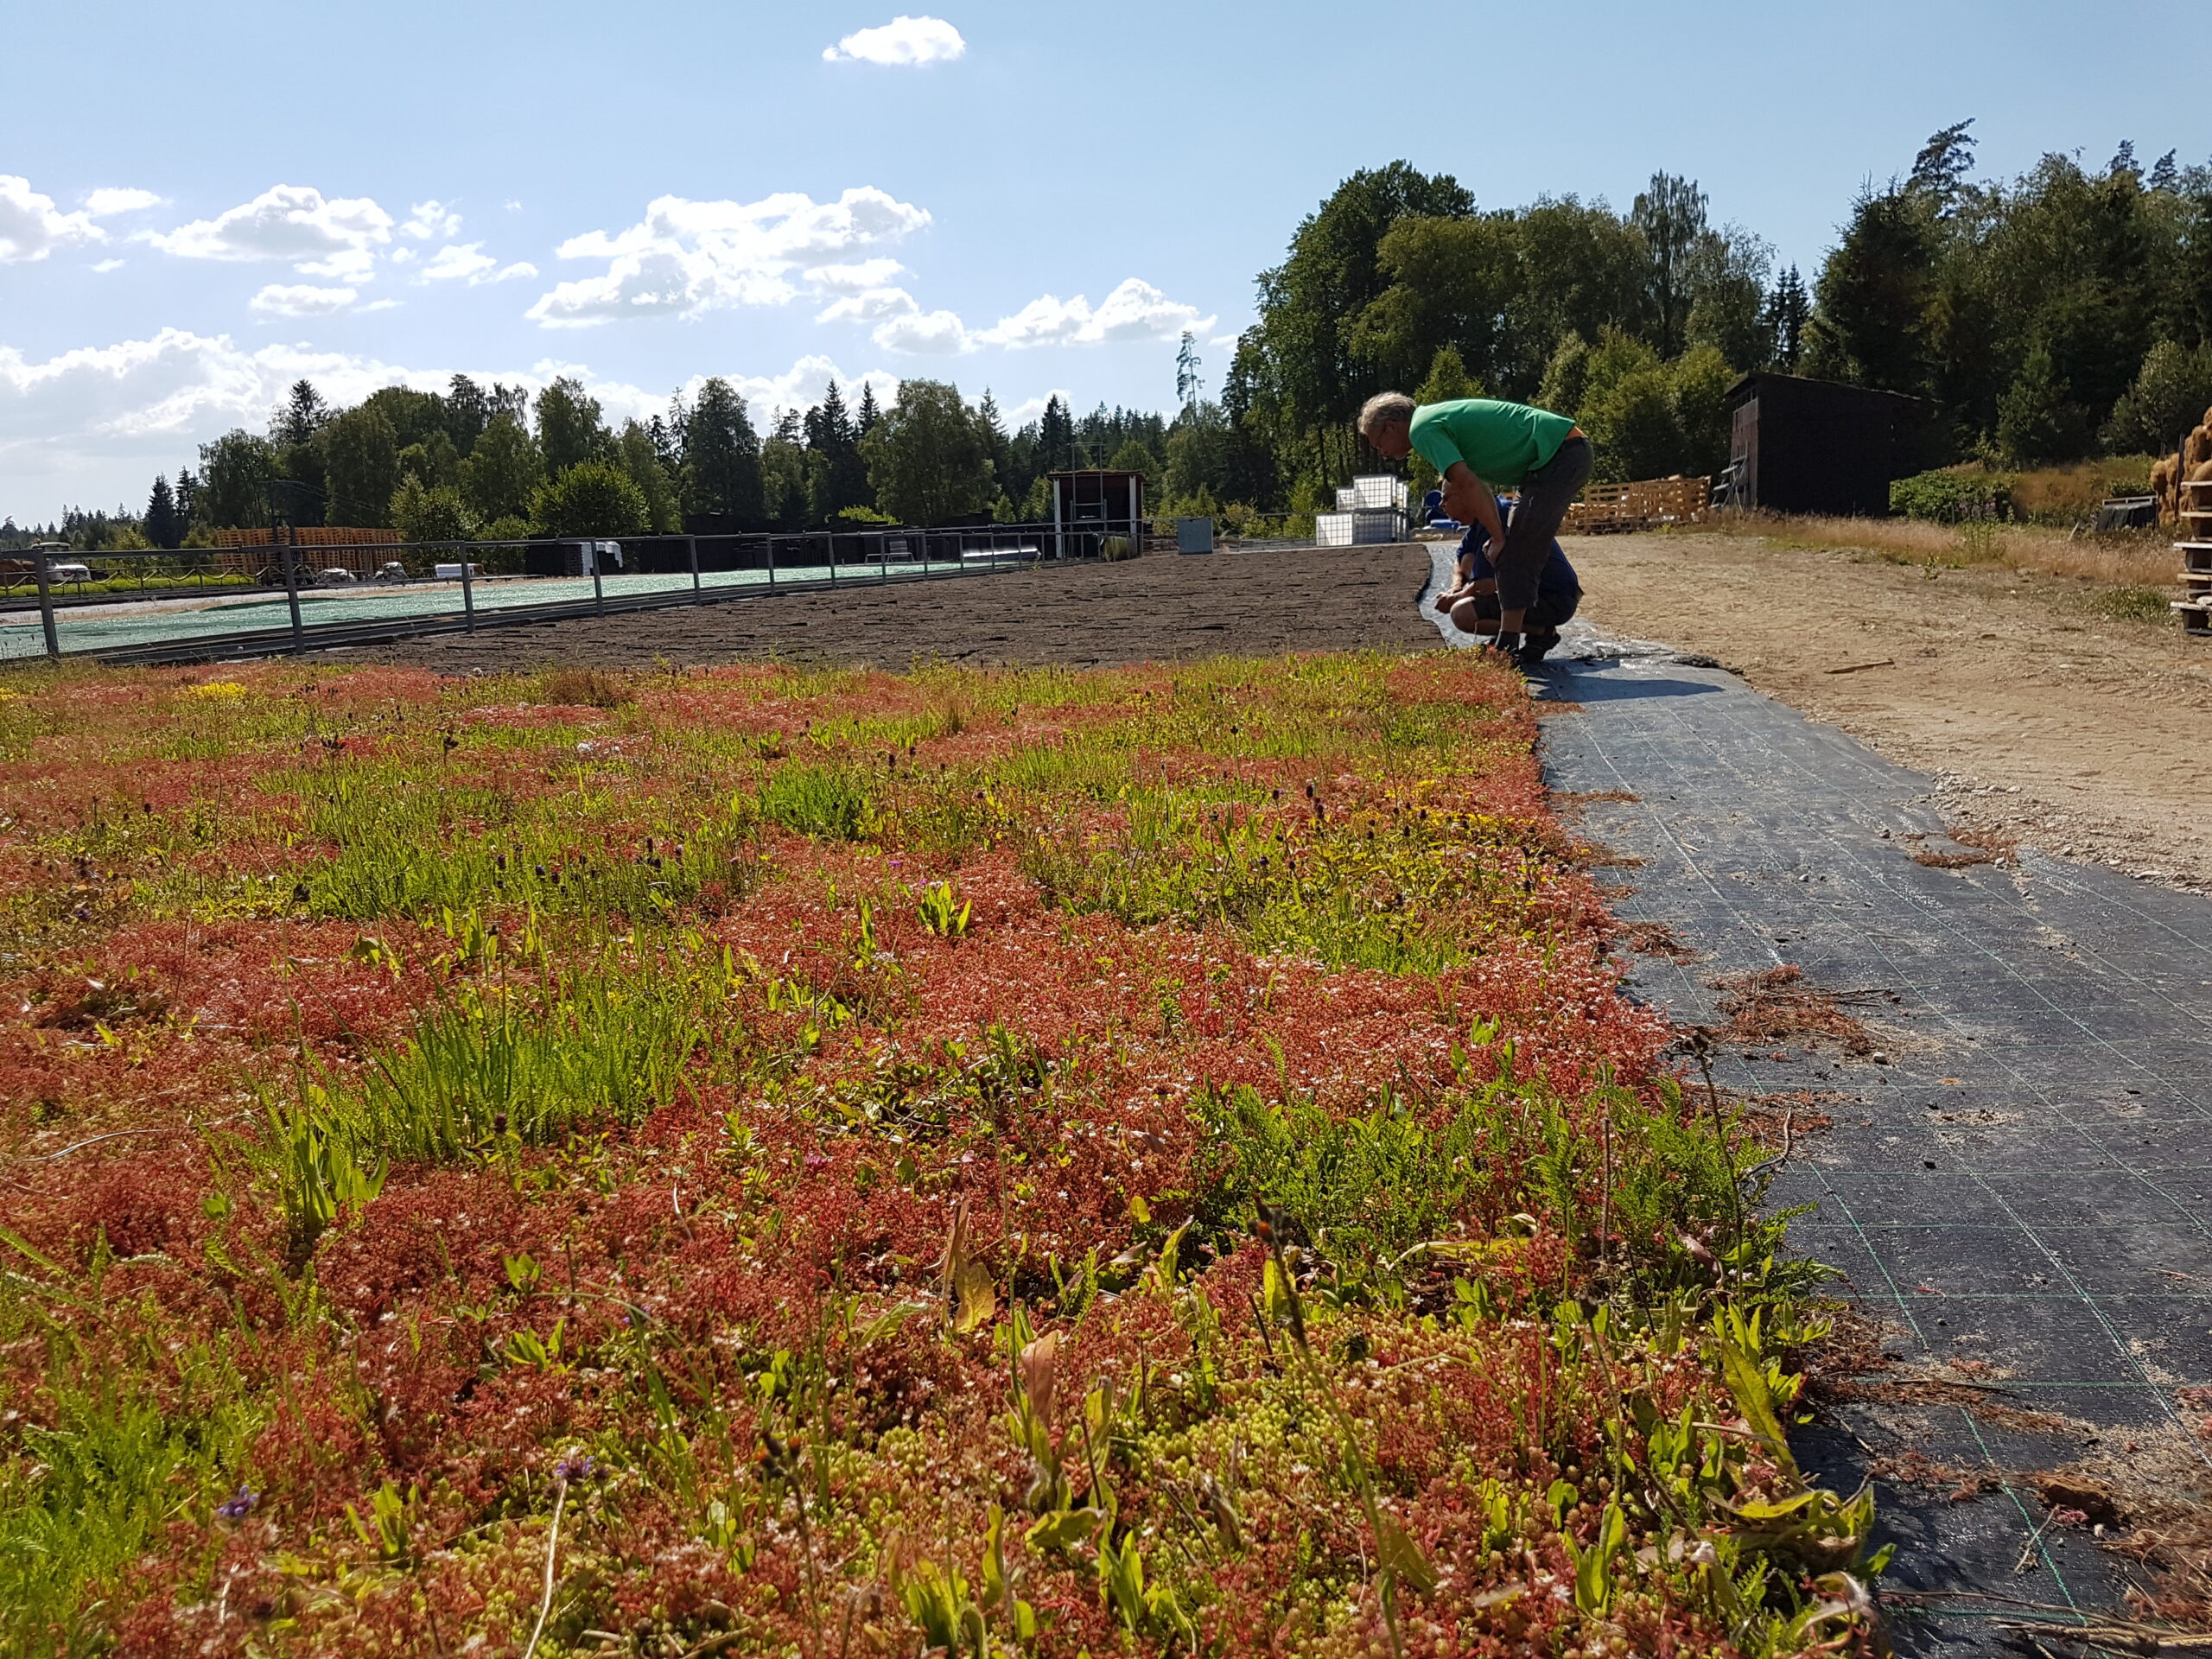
point(721, 455)
point(503, 471)
point(636, 455)
point(1311, 306)
point(415, 416)
point(1447, 380)
point(1197, 456)
point(592, 498)
point(1566, 377)
point(2169, 394)
point(2038, 419)
point(1699, 379)
point(927, 458)
point(165, 526)
point(786, 498)
point(1132, 457)
point(1670, 213)
point(1727, 272)
point(468, 411)
point(1454, 283)
point(1788, 310)
point(433, 463)
point(1870, 316)
point(231, 491)
point(836, 476)
point(431, 512)
point(300, 417)
point(361, 462)
point(569, 430)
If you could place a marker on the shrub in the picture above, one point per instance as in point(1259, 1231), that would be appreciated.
point(1948, 497)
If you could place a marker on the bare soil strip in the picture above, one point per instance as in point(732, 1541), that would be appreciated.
point(1158, 608)
point(2043, 719)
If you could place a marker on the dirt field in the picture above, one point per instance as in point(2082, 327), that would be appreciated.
point(2077, 733)
point(1156, 609)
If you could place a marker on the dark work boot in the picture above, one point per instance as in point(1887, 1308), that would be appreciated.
point(1535, 646)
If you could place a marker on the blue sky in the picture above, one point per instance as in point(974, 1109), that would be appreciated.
point(200, 204)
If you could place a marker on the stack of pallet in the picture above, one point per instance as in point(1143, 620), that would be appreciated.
point(1653, 501)
point(2184, 486)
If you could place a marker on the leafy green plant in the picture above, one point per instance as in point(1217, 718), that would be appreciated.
point(1951, 496)
point(319, 1168)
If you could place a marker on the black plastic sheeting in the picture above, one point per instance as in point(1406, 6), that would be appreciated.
point(2023, 1184)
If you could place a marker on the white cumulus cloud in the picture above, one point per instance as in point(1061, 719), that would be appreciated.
point(31, 227)
point(1032, 409)
point(869, 305)
point(107, 203)
point(97, 422)
point(851, 279)
point(802, 386)
point(102, 267)
point(928, 334)
point(429, 221)
point(464, 262)
point(301, 300)
point(1135, 310)
point(685, 258)
point(335, 237)
point(903, 42)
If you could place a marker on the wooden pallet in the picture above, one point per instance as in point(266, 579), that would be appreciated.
point(1608, 508)
point(2194, 498)
point(2195, 615)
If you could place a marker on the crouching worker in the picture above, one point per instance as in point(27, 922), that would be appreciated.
point(1479, 446)
point(1471, 600)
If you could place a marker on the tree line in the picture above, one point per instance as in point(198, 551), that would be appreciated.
point(2062, 314)
point(495, 463)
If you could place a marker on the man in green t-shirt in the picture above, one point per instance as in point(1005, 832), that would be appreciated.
point(1479, 447)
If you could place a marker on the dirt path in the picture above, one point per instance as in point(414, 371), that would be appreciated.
point(2075, 733)
point(1145, 610)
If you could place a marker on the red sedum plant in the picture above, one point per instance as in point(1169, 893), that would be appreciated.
point(781, 1161)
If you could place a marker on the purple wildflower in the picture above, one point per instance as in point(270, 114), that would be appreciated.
point(239, 1507)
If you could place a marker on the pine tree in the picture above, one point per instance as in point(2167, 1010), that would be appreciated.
point(1785, 318)
point(1055, 437)
point(303, 415)
point(869, 413)
point(837, 477)
point(164, 529)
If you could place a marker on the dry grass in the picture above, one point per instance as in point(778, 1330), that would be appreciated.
point(2065, 494)
point(2143, 558)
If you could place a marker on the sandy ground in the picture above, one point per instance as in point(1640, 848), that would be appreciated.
point(1149, 609)
point(2075, 733)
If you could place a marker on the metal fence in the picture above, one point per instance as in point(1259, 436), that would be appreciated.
point(187, 607)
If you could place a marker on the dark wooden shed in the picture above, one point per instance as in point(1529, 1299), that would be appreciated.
point(1814, 446)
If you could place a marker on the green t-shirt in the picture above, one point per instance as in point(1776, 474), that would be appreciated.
point(1502, 444)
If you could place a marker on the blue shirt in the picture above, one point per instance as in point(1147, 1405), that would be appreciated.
point(1556, 580)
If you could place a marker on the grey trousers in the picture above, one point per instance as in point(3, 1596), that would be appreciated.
point(1546, 494)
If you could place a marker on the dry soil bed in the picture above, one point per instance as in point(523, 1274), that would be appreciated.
point(2076, 733)
point(1158, 608)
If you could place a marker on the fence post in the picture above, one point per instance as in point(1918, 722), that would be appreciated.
point(691, 543)
point(832, 539)
point(883, 558)
point(467, 592)
point(46, 602)
point(292, 591)
point(598, 592)
point(771, 563)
